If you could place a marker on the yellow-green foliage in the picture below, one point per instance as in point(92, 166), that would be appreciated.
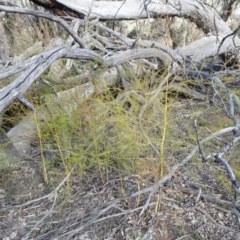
point(101, 132)
point(105, 131)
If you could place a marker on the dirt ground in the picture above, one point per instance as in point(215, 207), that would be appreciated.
point(195, 203)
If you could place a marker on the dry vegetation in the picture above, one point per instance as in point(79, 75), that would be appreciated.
point(125, 163)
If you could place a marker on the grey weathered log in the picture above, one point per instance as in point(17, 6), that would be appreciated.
point(19, 64)
point(9, 93)
point(205, 17)
point(207, 47)
point(10, 71)
point(128, 55)
point(22, 134)
point(201, 14)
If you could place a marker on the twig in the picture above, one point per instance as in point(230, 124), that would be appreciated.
point(230, 173)
point(149, 141)
point(86, 19)
point(236, 212)
point(191, 233)
point(73, 232)
point(213, 221)
point(119, 8)
point(215, 199)
point(48, 196)
point(218, 208)
point(95, 217)
point(55, 193)
point(122, 213)
point(124, 39)
point(157, 91)
point(25, 102)
point(47, 16)
point(27, 203)
point(47, 83)
point(45, 216)
point(154, 188)
point(198, 196)
point(198, 142)
point(122, 75)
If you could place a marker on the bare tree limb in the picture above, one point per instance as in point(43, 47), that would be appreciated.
point(47, 16)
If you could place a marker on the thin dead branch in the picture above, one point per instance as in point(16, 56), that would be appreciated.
point(47, 16)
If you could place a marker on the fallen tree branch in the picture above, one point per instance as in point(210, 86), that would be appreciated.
point(9, 93)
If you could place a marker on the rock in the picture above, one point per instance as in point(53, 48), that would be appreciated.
point(9, 156)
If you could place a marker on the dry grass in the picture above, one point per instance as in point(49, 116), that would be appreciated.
point(77, 182)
